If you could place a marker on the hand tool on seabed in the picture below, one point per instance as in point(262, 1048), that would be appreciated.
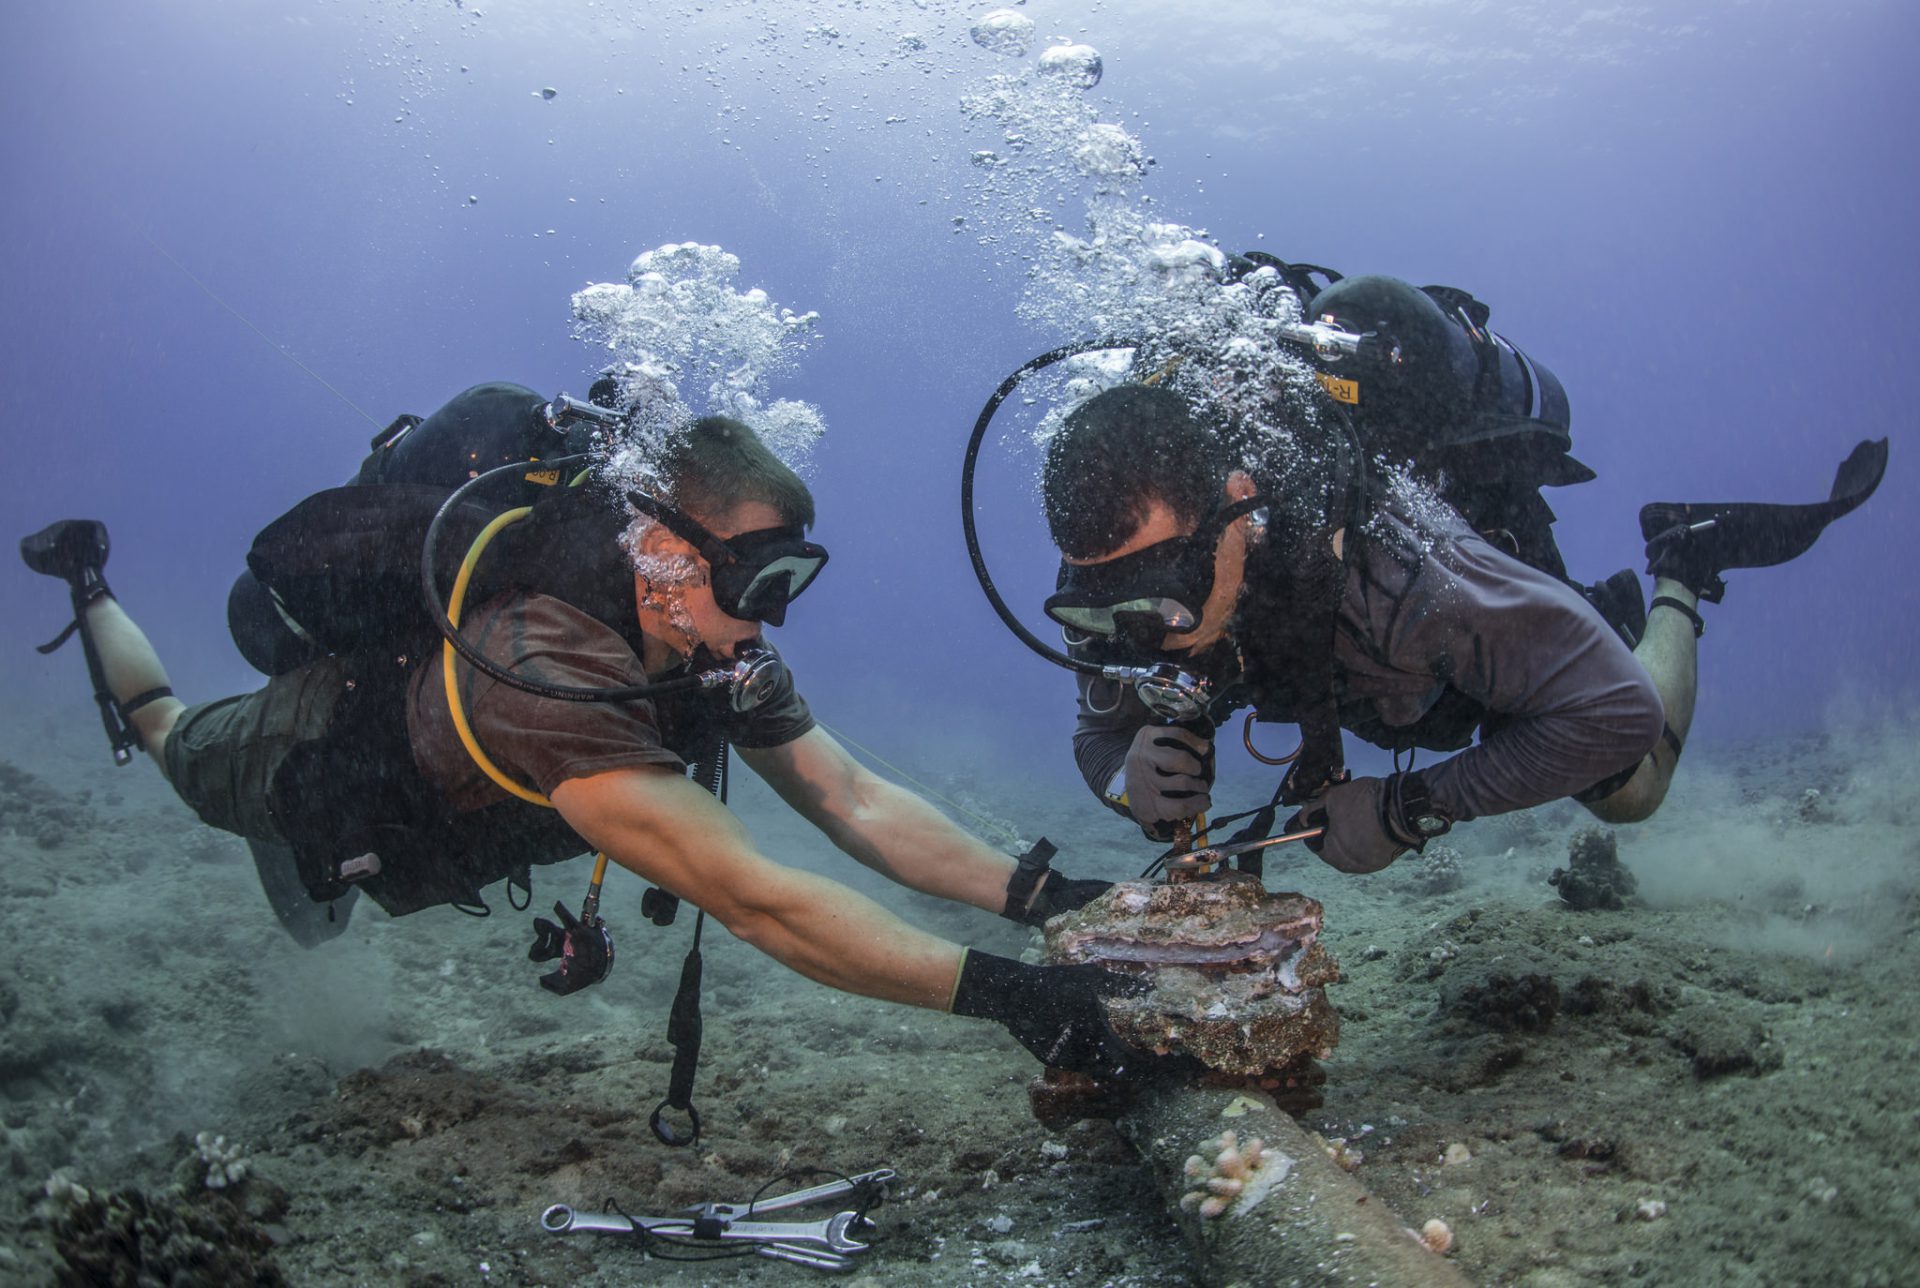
point(709, 1227)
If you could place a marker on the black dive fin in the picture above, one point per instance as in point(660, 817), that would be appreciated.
point(1694, 543)
point(68, 549)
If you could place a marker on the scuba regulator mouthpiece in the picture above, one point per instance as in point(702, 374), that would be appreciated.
point(750, 681)
point(1171, 694)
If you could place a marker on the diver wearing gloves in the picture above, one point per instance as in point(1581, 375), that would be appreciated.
point(1207, 576)
point(372, 763)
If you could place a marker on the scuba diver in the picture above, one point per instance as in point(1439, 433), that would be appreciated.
point(594, 647)
point(1204, 569)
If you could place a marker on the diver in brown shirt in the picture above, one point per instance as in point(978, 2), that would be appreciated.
point(418, 778)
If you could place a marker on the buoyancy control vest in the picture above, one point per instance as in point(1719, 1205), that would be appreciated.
point(339, 572)
point(1415, 379)
point(338, 579)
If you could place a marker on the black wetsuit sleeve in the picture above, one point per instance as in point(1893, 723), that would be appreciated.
point(1109, 715)
point(1569, 704)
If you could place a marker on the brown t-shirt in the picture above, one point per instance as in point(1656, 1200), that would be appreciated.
point(542, 742)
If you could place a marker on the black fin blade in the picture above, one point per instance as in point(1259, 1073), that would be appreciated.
point(1758, 534)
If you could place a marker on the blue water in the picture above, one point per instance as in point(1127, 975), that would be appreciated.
point(1693, 213)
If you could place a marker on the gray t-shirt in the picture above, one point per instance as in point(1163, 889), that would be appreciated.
point(1427, 612)
point(542, 742)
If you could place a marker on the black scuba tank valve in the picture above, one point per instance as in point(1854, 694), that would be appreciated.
point(1331, 343)
point(566, 411)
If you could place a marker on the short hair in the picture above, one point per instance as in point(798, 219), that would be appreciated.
point(1118, 452)
point(717, 463)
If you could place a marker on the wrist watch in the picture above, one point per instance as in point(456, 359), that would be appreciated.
point(1420, 819)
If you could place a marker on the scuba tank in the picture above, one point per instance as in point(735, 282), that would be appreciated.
point(339, 572)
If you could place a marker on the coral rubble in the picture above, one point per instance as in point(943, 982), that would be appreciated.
point(1594, 876)
point(131, 1237)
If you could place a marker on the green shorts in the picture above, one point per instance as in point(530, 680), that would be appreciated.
point(222, 756)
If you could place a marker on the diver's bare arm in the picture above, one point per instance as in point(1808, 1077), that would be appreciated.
point(887, 828)
point(659, 825)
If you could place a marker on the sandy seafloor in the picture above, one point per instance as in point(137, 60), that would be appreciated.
point(1740, 1047)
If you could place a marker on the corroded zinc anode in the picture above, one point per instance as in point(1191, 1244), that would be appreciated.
point(1238, 974)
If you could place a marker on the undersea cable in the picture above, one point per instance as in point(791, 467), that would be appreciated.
point(247, 322)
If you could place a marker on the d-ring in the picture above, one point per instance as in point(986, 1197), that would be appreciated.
point(665, 1131)
point(1246, 736)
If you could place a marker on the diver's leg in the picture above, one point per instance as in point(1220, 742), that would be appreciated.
point(132, 668)
point(223, 758)
point(1688, 547)
point(1670, 652)
point(120, 659)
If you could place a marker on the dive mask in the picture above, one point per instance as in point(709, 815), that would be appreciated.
point(1143, 597)
point(755, 575)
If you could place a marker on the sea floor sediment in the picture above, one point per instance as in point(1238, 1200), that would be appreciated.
point(1707, 1086)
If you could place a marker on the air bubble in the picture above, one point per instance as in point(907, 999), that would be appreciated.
point(1004, 31)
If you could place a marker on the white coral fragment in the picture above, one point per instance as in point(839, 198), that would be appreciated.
point(225, 1164)
point(1232, 1177)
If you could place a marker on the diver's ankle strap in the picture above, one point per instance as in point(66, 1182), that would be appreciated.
point(139, 700)
point(1684, 609)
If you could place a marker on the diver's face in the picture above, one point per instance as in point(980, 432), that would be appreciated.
point(678, 607)
point(1229, 565)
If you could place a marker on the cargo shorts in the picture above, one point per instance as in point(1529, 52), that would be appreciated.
point(222, 756)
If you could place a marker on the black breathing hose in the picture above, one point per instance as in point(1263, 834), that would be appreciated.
point(437, 609)
point(980, 427)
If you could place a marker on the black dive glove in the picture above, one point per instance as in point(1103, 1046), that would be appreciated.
point(1054, 1011)
point(1056, 892)
point(584, 948)
point(1168, 777)
point(1370, 822)
point(1061, 894)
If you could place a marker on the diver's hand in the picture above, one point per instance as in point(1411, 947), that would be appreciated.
point(1169, 776)
point(1357, 837)
point(1055, 1012)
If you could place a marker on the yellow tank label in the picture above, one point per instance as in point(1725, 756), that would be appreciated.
point(545, 478)
point(1346, 391)
point(1166, 369)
